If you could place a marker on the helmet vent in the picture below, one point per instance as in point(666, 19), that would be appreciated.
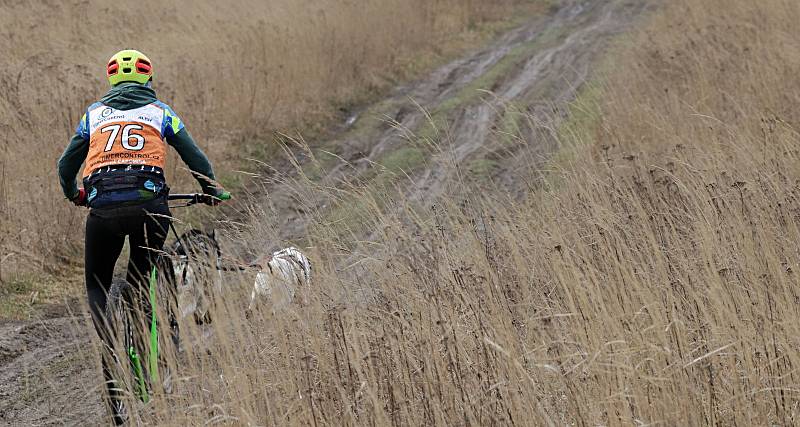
point(128, 66)
point(113, 67)
point(143, 67)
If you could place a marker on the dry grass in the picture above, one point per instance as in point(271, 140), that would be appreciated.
point(235, 73)
point(654, 280)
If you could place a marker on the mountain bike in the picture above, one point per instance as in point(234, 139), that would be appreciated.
point(137, 319)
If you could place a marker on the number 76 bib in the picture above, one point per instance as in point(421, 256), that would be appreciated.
point(125, 137)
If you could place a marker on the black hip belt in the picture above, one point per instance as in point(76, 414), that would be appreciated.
point(157, 206)
point(126, 180)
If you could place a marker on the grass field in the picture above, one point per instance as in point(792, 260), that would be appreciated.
point(651, 280)
point(236, 75)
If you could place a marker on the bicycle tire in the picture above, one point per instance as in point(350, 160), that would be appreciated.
point(121, 299)
point(117, 308)
point(117, 312)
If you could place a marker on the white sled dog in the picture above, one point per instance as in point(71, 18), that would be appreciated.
point(198, 277)
point(280, 276)
point(198, 273)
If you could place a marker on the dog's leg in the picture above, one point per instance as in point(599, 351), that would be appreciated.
point(248, 313)
point(252, 300)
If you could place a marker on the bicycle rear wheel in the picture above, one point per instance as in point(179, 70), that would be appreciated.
point(131, 315)
point(123, 315)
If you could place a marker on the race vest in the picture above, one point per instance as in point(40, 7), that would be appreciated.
point(126, 137)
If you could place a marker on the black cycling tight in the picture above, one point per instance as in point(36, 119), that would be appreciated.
point(105, 237)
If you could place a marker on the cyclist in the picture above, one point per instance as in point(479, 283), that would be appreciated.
point(123, 141)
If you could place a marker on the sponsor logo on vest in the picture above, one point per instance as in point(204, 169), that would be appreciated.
point(127, 155)
point(147, 119)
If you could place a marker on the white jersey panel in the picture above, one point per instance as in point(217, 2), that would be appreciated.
point(150, 114)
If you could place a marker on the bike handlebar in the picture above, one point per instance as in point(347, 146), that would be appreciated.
point(195, 198)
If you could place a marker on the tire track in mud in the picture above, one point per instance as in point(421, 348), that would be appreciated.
point(537, 68)
point(48, 371)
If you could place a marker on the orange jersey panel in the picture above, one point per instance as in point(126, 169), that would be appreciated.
point(125, 137)
point(125, 143)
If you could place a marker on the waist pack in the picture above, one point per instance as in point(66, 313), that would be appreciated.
point(119, 188)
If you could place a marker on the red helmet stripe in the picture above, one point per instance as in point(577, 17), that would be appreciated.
point(143, 67)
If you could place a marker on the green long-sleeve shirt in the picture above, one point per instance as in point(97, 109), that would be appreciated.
point(128, 96)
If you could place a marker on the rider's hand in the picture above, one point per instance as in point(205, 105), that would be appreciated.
point(80, 199)
point(220, 197)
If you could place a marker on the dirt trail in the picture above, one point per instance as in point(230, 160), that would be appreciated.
point(535, 69)
point(48, 375)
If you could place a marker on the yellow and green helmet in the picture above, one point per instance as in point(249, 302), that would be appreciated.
point(129, 66)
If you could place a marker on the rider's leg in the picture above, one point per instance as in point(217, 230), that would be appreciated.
point(104, 241)
point(146, 237)
point(146, 240)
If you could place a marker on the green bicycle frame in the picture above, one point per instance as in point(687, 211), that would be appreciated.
point(153, 328)
point(141, 391)
point(141, 387)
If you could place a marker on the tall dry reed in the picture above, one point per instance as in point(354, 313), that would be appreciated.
point(654, 279)
point(235, 73)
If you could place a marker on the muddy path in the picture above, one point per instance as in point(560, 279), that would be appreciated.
point(48, 370)
point(490, 115)
point(48, 373)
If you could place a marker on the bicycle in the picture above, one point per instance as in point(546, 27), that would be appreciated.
point(122, 309)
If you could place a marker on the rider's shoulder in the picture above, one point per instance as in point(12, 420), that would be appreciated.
point(95, 105)
point(172, 123)
point(164, 106)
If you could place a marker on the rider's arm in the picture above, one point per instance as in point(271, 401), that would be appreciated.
point(195, 159)
point(179, 137)
point(70, 162)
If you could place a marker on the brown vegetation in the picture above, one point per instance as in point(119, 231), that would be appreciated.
point(654, 278)
point(235, 73)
